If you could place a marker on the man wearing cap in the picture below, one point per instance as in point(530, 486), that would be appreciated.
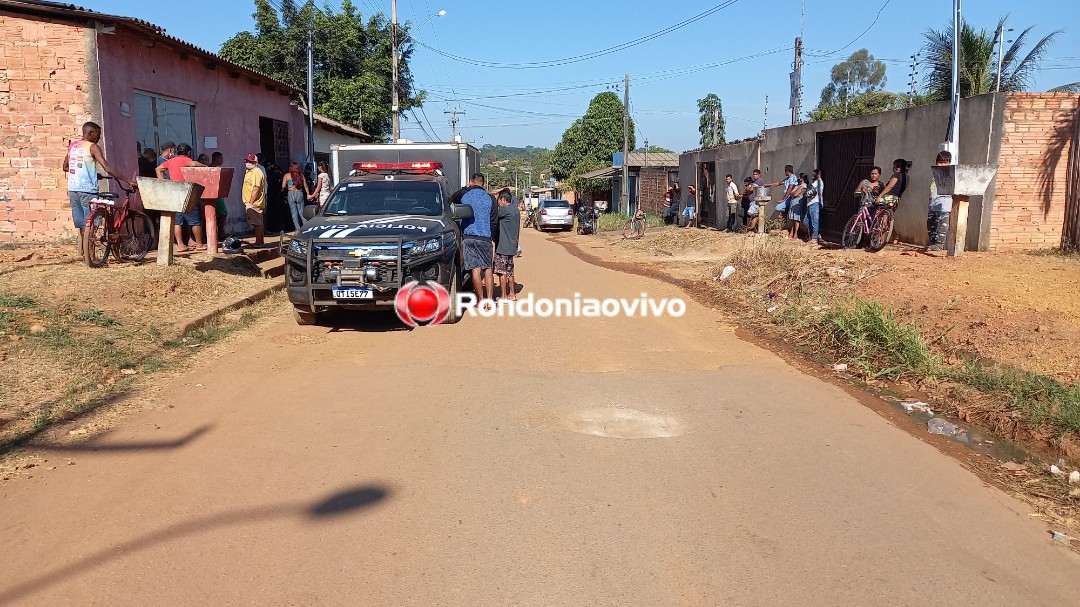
point(254, 194)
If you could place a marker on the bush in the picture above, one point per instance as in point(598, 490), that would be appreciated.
point(871, 338)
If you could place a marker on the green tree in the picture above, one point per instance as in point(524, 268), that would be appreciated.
point(352, 60)
point(978, 60)
point(710, 108)
point(859, 74)
point(656, 149)
point(590, 142)
point(867, 103)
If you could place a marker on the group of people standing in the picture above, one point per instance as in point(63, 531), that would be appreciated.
point(490, 238)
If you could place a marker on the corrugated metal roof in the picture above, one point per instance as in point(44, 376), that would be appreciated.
point(599, 173)
point(656, 159)
point(71, 12)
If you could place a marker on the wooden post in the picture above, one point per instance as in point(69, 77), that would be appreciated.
point(957, 237)
point(210, 215)
point(165, 239)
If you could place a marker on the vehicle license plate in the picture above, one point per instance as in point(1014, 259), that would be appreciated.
point(359, 293)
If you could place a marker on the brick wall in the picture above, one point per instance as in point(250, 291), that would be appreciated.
point(44, 98)
point(652, 184)
point(1029, 200)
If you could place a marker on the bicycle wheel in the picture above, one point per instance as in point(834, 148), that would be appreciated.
point(97, 238)
point(136, 237)
point(881, 231)
point(627, 228)
point(853, 232)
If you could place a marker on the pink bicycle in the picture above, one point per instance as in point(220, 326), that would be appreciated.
point(873, 219)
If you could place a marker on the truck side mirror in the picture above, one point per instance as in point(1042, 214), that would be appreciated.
point(462, 211)
point(310, 211)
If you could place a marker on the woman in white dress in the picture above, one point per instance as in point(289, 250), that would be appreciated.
point(322, 186)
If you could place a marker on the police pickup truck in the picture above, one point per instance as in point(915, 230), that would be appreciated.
point(384, 226)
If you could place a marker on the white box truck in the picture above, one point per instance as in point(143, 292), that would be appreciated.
point(460, 160)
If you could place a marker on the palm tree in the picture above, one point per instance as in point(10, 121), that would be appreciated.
point(978, 60)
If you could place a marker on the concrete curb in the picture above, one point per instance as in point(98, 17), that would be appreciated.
point(185, 327)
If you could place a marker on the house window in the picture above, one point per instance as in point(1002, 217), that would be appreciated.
point(160, 119)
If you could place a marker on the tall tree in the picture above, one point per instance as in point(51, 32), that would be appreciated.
point(590, 142)
point(710, 108)
point(352, 60)
point(860, 73)
point(978, 60)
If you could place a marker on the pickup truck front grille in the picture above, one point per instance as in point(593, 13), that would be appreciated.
point(347, 264)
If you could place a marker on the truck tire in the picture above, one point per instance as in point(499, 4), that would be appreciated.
point(305, 317)
point(452, 316)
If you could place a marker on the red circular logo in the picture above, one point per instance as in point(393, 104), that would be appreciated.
point(422, 303)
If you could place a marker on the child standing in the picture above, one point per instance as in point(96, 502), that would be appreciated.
point(507, 249)
point(937, 219)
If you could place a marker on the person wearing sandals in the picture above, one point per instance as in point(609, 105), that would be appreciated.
point(296, 189)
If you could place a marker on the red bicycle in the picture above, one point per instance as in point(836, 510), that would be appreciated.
point(115, 228)
point(873, 219)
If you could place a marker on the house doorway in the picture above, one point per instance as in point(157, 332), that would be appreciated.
point(707, 215)
point(274, 154)
point(845, 159)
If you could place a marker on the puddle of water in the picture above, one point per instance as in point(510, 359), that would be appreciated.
point(616, 422)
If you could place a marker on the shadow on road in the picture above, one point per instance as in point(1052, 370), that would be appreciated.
point(335, 505)
point(363, 321)
point(94, 445)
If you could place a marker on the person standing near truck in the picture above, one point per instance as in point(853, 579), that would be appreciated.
point(254, 195)
point(477, 233)
point(508, 247)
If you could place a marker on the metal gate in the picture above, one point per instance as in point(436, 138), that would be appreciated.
point(1070, 237)
point(706, 196)
point(845, 159)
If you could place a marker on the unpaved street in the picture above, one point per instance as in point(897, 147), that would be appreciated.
point(544, 462)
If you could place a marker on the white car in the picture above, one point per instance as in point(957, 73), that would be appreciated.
point(554, 213)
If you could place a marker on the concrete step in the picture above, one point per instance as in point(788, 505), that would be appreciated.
point(272, 268)
point(261, 255)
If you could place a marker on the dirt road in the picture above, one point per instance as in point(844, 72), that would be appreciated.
point(516, 462)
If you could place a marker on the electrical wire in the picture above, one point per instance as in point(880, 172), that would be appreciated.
point(587, 56)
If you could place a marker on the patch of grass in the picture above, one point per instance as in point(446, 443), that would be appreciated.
point(612, 222)
point(870, 337)
point(1039, 399)
point(21, 302)
point(96, 317)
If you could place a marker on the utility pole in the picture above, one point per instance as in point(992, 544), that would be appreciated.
point(453, 121)
point(952, 137)
point(311, 104)
point(394, 67)
point(765, 120)
point(796, 75)
point(997, 89)
point(715, 126)
point(626, 141)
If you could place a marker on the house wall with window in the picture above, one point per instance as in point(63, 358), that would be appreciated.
point(66, 66)
point(152, 91)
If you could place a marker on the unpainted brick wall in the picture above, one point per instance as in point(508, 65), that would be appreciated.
point(44, 98)
point(652, 184)
point(1029, 198)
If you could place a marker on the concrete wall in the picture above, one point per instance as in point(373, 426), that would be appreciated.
point(226, 107)
point(913, 134)
point(45, 96)
point(1029, 208)
point(324, 139)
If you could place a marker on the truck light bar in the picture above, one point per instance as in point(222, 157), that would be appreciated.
point(397, 166)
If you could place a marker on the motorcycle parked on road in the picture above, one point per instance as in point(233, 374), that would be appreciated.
point(587, 221)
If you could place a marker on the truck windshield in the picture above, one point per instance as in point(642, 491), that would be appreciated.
point(386, 198)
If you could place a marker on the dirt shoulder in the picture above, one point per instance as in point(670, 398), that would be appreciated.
point(986, 339)
point(74, 339)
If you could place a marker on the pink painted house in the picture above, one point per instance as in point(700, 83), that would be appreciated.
point(61, 65)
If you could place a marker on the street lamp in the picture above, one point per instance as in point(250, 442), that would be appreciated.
point(394, 106)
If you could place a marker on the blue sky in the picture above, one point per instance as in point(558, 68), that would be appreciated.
point(742, 52)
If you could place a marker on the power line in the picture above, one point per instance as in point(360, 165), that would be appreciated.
point(868, 28)
point(586, 56)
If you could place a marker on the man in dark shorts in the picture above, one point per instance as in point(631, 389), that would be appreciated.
point(507, 249)
point(477, 232)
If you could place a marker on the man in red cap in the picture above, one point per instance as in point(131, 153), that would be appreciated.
point(254, 196)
